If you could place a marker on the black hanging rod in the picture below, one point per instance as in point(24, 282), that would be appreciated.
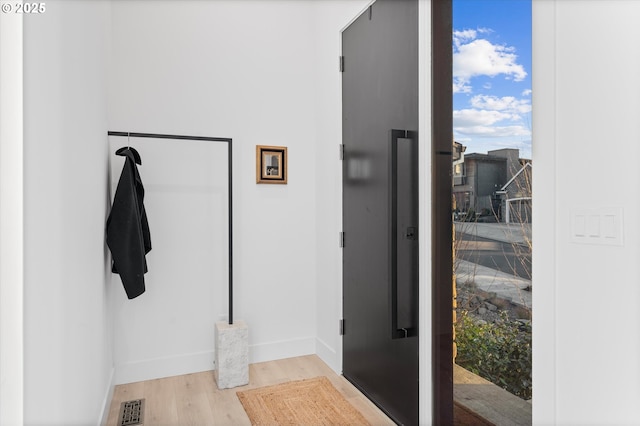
point(160, 136)
point(209, 139)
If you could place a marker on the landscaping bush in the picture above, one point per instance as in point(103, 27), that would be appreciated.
point(500, 351)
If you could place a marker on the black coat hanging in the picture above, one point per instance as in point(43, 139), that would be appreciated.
point(128, 234)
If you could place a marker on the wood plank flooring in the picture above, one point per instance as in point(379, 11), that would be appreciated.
point(195, 400)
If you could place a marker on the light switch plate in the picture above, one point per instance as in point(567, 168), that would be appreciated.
point(597, 225)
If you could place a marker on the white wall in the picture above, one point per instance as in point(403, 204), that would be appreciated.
point(244, 70)
point(586, 132)
point(329, 18)
point(67, 317)
point(169, 326)
point(11, 221)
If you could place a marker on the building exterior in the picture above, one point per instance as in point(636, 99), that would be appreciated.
point(484, 184)
point(516, 205)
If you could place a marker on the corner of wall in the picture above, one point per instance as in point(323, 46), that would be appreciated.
point(68, 358)
point(11, 219)
point(330, 18)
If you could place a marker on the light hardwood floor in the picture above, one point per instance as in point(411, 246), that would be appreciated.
point(194, 399)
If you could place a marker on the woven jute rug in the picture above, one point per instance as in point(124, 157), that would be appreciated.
point(303, 402)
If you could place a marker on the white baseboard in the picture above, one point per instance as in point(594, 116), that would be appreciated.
point(203, 361)
point(329, 355)
point(281, 349)
point(164, 367)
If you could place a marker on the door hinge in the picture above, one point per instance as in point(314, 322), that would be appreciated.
point(342, 327)
point(341, 151)
point(341, 239)
point(341, 63)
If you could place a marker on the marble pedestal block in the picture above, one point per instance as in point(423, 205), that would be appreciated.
point(232, 354)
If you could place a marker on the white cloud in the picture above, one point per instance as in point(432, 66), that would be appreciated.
point(493, 131)
point(473, 117)
point(480, 57)
point(460, 37)
point(489, 121)
point(506, 103)
point(461, 86)
point(474, 57)
point(492, 116)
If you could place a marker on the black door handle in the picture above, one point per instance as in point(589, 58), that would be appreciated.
point(404, 235)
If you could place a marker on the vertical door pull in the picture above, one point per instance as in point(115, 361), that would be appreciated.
point(404, 233)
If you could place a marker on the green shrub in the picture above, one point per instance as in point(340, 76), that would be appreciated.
point(500, 352)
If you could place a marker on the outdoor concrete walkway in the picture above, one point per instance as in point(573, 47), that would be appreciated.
point(505, 232)
point(507, 286)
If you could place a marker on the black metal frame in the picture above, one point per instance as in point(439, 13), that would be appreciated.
point(230, 190)
point(441, 222)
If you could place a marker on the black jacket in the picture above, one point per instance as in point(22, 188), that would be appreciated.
point(127, 227)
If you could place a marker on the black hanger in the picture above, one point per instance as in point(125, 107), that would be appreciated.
point(127, 151)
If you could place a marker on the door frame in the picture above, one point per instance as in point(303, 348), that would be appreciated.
point(436, 125)
point(441, 210)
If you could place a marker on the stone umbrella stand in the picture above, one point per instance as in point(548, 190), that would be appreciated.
point(232, 354)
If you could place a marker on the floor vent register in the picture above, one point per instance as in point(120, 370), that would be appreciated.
point(131, 413)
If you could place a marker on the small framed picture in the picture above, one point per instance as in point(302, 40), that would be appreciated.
point(271, 164)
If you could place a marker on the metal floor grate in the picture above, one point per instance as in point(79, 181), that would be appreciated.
point(131, 412)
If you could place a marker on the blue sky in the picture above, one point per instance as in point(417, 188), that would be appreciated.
point(492, 74)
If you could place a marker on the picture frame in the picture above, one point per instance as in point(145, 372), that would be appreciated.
point(271, 164)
